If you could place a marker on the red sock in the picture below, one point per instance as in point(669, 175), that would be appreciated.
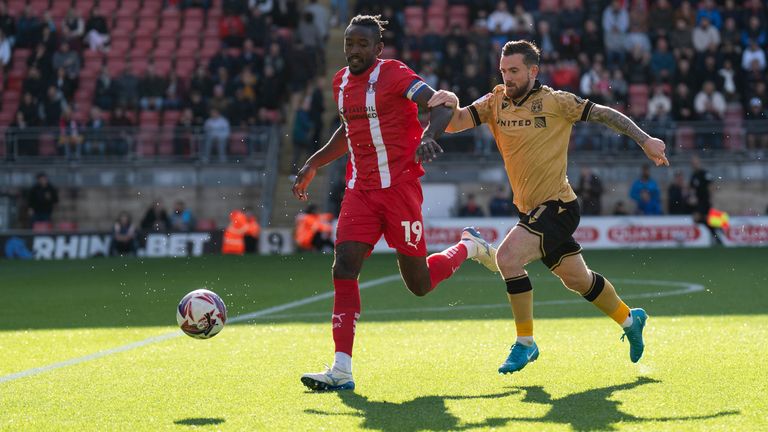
point(346, 311)
point(442, 265)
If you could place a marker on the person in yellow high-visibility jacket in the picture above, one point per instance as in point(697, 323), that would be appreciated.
point(233, 242)
point(313, 230)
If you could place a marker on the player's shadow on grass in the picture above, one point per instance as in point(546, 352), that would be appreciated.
point(423, 413)
point(589, 410)
point(199, 421)
point(592, 409)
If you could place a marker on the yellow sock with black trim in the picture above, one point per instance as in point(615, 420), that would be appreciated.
point(603, 295)
point(520, 294)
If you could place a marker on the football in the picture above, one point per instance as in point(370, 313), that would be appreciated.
point(201, 314)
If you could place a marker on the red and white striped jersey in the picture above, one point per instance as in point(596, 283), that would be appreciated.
point(383, 129)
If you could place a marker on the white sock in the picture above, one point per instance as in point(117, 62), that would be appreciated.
point(627, 322)
point(471, 248)
point(342, 362)
point(525, 340)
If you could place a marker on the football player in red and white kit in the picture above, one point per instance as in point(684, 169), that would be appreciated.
point(383, 139)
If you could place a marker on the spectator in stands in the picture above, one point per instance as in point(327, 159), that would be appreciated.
point(27, 28)
point(501, 204)
point(250, 59)
point(730, 33)
point(30, 109)
point(64, 85)
point(590, 192)
point(122, 136)
point(201, 82)
point(251, 237)
point(705, 36)
point(316, 110)
point(755, 31)
point(202, 4)
point(271, 90)
point(242, 110)
point(659, 107)
point(471, 208)
point(52, 107)
point(685, 12)
point(661, 18)
point(753, 54)
point(727, 78)
point(302, 130)
point(73, 28)
point(124, 236)
point(257, 27)
point(681, 39)
point(217, 131)
point(48, 37)
point(619, 86)
point(199, 107)
point(615, 27)
point(275, 59)
point(182, 219)
point(589, 82)
point(95, 134)
point(34, 84)
point(42, 199)
point(701, 188)
point(20, 139)
point(152, 89)
point(637, 38)
point(5, 51)
point(619, 209)
point(70, 135)
point(96, 31)
point(682, 104)
point(106, 91)
point(183, 133)
point(710, 107)
point(7, 23)
point(757, 127)
point(647, 206)
point(638, 69)
point(501, 21)
point(127, 87)
point(42, 60)
point(591, 40)
point(156, 219)
point(321, 17)
point(174, 90)
point(662, 62)
point(708, 9)
point(646, 183)
point(678, 196)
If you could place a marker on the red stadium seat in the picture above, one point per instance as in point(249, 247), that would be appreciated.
point(66, 226)
point(146, 144)
point(42, 227)
point(171, 117)
point(549, 5)
point(206, 225)
point(47, 145)
point(238, 144)
point(149, 118)
point(437, 23)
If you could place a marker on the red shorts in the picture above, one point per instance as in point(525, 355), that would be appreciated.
point(394, 212)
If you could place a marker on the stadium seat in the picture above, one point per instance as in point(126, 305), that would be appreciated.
point(66, 226)
point(549, 5)
point(145, 143)
point(238, 143)
point(149, 118)
point(170, 117)
point(437, 23)
point(389, 52)
point(47, 145)
point(42, 227)
point(684, 137)
point(206, 225)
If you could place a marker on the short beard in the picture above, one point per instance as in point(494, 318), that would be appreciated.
point(521, 91)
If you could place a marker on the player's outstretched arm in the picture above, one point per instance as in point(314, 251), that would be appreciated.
point(653, 147)
point(462, 118)
point(439, 117)
point(334, 149)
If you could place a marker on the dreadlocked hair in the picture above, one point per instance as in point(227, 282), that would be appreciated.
point(373, 21)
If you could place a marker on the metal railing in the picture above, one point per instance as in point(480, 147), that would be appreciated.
point(169, 143)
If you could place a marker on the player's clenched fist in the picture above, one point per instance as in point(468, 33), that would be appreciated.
point(444, 97)
point(303, 179)
point(654, 149)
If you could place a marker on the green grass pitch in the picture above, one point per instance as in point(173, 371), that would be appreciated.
point(420, 363)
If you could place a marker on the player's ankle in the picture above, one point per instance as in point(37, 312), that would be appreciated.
point(471, 246)
point(525, 340)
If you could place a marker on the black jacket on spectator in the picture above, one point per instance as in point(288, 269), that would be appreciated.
point(43, 198)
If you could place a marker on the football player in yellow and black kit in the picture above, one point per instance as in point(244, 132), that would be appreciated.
point(532, 125)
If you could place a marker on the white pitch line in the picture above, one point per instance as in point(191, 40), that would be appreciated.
point(166, 336)
point(688, 288)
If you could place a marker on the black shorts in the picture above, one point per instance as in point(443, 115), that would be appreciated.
point(554, 222)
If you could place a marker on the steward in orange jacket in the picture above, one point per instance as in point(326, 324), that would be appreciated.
point(313, 230)
point(234, 235)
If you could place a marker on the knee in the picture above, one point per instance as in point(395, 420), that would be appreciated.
point(580, 282)
point(345, 269)
point(508, 261)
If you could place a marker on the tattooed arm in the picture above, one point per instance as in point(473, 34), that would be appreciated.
point(653, 147)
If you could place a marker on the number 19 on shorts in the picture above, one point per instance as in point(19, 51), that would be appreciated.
point(410, 229)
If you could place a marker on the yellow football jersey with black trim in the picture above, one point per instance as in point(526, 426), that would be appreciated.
point(532, 136)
